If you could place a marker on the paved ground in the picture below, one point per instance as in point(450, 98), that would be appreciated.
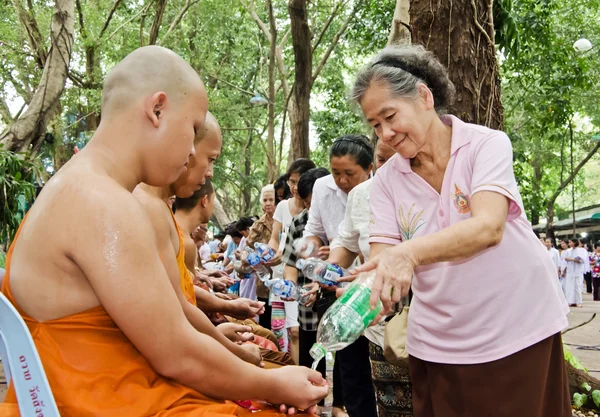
point(583, 341)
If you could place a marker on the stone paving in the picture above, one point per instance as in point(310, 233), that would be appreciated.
point(584, 341)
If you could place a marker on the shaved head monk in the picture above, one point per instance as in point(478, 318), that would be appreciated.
point(108, 326)
point(170, 240)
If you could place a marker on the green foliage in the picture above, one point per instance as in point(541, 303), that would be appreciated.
point(596, 397)
point(579, 399)
point(572, 359)
point(545, 86)
point(2, 260)
point(17, 176)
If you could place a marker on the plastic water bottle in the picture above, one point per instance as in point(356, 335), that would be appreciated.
point(287, 289)
point(320, 271)
point(305, 248)
point(264, 251)
point(346, 319)
point(255, 262)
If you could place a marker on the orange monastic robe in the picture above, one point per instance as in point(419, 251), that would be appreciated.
point(94, 370)
point(185, 278)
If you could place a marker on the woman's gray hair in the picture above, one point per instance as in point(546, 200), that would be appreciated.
point(402, 68)
point(265, 189)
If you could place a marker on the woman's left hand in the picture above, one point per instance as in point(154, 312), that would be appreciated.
point(394, 270)
point(312, 288)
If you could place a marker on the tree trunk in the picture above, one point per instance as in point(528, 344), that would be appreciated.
point(577, 377)
point(219, 215)
point(271, 126)
point(30, 128)
point(300, 102)
point(461, 34)
point(400, 32)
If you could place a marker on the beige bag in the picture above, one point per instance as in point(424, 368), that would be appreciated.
point(394, 341)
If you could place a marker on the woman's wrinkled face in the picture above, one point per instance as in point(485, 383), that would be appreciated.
point(400, 123)
point(347, 173)
point(268, 202)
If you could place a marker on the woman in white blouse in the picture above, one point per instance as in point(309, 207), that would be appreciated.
point(575, 268)
point(351, 159)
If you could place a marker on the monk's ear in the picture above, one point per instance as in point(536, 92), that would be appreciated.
point(204, 201)
point(155, 107)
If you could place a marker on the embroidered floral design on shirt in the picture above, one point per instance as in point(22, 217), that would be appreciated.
point(461, 201)
point(410, 222)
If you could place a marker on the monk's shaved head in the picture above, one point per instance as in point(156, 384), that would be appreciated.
point(211, 128)
point(146, 71)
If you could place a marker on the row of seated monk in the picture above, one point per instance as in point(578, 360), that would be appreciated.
point(110, 302)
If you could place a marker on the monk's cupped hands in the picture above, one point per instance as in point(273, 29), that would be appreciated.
point(300, 388)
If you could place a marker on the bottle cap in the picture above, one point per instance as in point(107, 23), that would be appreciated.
point(256, 245)
point(300, 263)
point(317, 351)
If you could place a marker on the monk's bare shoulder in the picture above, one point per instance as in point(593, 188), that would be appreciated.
point(78, 216)
point(160, 217)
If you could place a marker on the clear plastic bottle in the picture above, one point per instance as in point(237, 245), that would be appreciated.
point(287, 289)
point(254, 260)
point(264, 251)
point(305, 248)
point(346, 319)
point(320, 271)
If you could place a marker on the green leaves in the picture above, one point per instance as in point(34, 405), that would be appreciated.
point(596, 397)
point(579, 399)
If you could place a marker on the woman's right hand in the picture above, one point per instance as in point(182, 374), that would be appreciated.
point(394, 268)
point(297, 387)
point(276, 260)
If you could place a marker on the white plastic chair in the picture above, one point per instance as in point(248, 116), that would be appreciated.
point(22, 362)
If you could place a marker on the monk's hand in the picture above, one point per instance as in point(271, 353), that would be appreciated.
point(244, 308)
point(202, 278)
point(215, 273)
point(394, 268)
point(323, 252)
point(237, 333)
point(253, 355)
point(298, 388)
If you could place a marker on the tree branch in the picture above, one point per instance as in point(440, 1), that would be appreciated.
point(33, 32)
point(335, 41)
point(5, 112)
point(571, 177)
point(333, 15)
point(80, 15)
point(178, 18)
point(478, 25)
point(257, 19)
point(144, 9)
point(109, 18)
point(154, 29)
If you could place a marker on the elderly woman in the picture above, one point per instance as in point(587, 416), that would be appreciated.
point(487, 312)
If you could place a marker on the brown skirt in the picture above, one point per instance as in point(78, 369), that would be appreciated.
point(529, 383)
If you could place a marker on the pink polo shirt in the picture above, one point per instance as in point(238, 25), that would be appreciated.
point(493, 304)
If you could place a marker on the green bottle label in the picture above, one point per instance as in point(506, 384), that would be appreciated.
point(358, 298)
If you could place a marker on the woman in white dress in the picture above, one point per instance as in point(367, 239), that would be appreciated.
point(575, 258)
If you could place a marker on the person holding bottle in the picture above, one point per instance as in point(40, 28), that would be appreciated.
point(393, 396)
point(447, 209)
point(351, 159)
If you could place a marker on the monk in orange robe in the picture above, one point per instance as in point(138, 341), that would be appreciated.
point(110, 329)
point(170, 239)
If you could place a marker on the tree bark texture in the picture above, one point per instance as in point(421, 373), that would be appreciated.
point(219, 215)
point(271, 127)
point(30, 128)
point(461, 34)
point(300, 101)
point(400, 32)
point(158, 17)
